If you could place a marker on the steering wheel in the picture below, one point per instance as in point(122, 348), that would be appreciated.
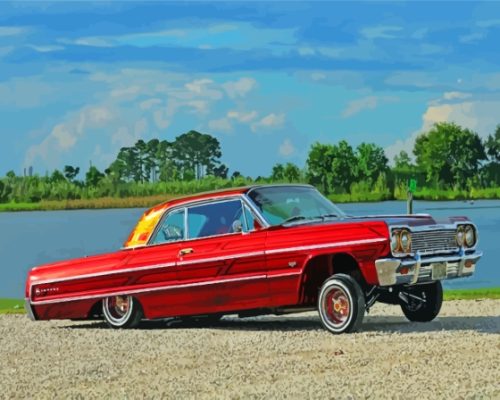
point(172, 232)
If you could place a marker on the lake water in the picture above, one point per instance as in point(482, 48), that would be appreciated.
point(28, 239)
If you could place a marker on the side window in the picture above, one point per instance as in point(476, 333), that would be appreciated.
point(249, 218)
point(171, 229)
point(215, 219)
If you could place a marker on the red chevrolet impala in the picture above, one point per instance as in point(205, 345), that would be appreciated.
point(260, 250)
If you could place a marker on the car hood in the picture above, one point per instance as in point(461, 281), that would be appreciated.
point(413, 220)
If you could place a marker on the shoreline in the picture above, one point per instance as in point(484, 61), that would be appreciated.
point(150, 201)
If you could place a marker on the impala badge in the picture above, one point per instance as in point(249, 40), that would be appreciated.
point(292, 264)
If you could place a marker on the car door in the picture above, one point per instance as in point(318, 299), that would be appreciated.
point(222, 263)
point(153, 268)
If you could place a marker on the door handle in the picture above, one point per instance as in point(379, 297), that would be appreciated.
point(186, 251)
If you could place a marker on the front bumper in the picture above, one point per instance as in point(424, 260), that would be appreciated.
point(411, 270)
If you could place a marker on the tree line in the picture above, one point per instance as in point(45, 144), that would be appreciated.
point(447, 157)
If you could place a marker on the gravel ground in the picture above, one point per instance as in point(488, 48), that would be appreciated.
point(456, 356)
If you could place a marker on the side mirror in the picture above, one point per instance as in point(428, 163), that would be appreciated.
point(237, 226)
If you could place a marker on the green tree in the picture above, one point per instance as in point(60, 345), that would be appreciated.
point(278, 172)
point(196, 153)
point(450, 154)
point(344, 166)
point(57, 176)
point(319, 165)
point(371, 161)
point(493, 145)
point(220, 171)
point(291, 172)
point(93, 177)
point(235, 175)
point(402, 161)
point(71, 172)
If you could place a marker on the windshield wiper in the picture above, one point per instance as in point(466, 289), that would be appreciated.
point(293, 219)
point(324, 216)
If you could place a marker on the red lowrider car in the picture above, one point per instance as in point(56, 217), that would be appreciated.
point(260, 250)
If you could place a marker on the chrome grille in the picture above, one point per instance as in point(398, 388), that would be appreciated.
point(442, 240)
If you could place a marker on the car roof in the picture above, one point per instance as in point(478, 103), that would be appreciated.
point(215, 194)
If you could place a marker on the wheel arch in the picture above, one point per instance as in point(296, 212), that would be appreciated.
point(321, 267)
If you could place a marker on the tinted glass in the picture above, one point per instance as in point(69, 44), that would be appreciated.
point(281, 203)
point(215, 219)
point(171, 229)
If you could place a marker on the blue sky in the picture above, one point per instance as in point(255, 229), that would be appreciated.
point(80, 80)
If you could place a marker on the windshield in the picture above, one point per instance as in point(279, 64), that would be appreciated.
point(283, 204)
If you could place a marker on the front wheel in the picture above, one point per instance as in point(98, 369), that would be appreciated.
point(341, 304)
point(122, 311)
point(422, 303)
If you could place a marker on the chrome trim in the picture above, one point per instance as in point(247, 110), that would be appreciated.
point(419, 269)
point(210, 259)
point(255, 210)
point(29, 310)
point(326, 245)
point(434, 227)
point(159, 288)
point(229, 257)
point(195, 203)
point(96, 274)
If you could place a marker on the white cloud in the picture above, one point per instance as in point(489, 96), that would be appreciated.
point(478, 115)
point(220, 125)
point(12, 30)
point(160, 118)
point(239, 88)
point(148, 104)
point(270, 121)
point(381, 32)
point(473, 37)
point(318, 76)
point(488, 23)
point(365, 103)
point(204, 88)
point(455, 95)
point(129, 92)
point(198, 106)
point(64, 136)
point(198, 85)
point(243, 117)
point(286, 148)
point(356, 106)
point(46, 49)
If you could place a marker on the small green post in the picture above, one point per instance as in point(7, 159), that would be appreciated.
point(412, 187)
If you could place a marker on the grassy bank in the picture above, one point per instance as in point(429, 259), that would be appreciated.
point(79, 204)
point(16, 306)
point(150, 200)
point(11, 306)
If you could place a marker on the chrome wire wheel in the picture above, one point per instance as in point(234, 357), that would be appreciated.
point(121, 311)
point(336, 305)
point(341, 304)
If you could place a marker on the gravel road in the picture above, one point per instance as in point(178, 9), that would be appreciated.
point(456, 356)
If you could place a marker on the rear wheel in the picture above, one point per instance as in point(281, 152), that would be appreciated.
point(122, 311)
point(422, 303)
point(341, 304)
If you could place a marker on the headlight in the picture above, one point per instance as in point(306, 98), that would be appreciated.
point(460, 236)
point(470, 236)
point(400, 241)
point(395, 241)
point(405, 240)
